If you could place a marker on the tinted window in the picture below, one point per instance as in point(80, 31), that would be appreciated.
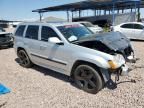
point(20, 31)
point(32, 32)
point(130, 26)
point(138, 26)
point(47, 32)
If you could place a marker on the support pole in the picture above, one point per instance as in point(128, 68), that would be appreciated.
point(41, 15)
point(118, 11)
point(94, 12)
point(139, 15)
point(131, 10)
point(79, 13)
point(122, 10)
point(72, 16)
point(104, 12)
point(113, 12)
point(67, 15)
point(136, 12)
point(99, 12)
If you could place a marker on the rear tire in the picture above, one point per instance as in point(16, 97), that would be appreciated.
point(24, 59)
point(88, 79)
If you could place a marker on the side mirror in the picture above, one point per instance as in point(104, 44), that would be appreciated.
point(55, 40)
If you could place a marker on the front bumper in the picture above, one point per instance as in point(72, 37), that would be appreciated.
point(6, 44)
point(131, 59)
point(106, 73)
point(129, 55)
point(124, 70)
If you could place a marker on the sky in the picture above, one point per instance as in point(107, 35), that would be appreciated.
point(22, 9)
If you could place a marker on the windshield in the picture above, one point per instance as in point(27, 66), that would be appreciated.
point(74, 32)
point(87, 24)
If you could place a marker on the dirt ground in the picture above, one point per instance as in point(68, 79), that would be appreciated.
point(42, 88)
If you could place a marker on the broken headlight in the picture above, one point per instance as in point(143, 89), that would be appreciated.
point(117, 61)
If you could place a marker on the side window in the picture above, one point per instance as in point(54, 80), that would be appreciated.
point(138, 26)
point(32, 32)
point(129, 26)
point(20, 30)
point(47, 32)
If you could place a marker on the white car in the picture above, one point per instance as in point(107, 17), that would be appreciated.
point(6, 39)
point(132, 30)
point(93, 28)
point(70, 49)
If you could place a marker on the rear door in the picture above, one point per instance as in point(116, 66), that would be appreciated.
point(139, 31)
point(127, 30)
point(31, 41)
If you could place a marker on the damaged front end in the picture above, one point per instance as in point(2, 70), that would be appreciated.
point(112, 43)
point(117, 67)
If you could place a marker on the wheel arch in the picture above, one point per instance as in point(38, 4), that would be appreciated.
point(20, 48)
point(80, 62)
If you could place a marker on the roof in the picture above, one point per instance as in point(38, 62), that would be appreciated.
point(50, 24)
point(94, 4)
point(53, 19)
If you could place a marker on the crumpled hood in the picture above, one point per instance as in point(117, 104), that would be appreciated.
point(114, 40)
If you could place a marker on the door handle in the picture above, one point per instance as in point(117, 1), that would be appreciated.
point(25, 43)
point(42, 47)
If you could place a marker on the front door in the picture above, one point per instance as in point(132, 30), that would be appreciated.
point(52, 55)
point(127, 30)
point(139, 31)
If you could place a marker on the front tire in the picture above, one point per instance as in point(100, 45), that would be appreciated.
point(24, 59)
point(88, 79)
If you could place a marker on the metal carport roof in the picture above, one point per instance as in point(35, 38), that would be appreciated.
point(95, 4)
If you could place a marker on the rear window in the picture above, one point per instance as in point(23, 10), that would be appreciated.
point(138, 26)
point(32, 32)
point(20, 31)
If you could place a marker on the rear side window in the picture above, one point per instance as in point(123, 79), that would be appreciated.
point(129, 26)
point(20, 30)
point(47, 32)
point(138, 26)
point(32, 32)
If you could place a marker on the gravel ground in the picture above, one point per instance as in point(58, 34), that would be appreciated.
point(43, 88)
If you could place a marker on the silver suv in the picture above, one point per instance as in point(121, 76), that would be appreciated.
point(56, 46)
